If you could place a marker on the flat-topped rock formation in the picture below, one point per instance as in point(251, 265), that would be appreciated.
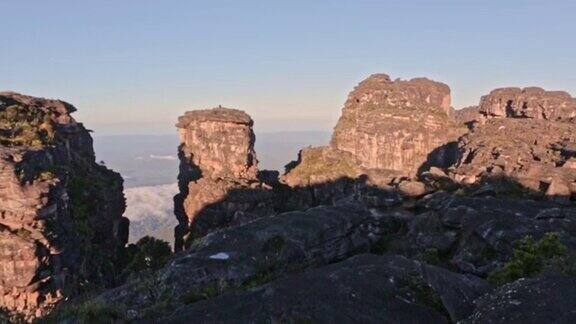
point(218, 173)
point(388, 129)
point(531, 102)
point(61, 221)
point(220, 142)
point(526, 136)
point(395, 125)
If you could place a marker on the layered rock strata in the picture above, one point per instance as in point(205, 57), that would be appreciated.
point(218, 177)
point(61, 223)
point(387, 129)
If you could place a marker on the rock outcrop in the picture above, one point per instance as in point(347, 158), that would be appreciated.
point(395, 125)
point(467, 116)
point(532, 102)
point(387, 129)
point(61, 223)
point(525, 136)
point(218, 176)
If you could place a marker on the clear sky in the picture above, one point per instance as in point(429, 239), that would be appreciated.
point(134, 66)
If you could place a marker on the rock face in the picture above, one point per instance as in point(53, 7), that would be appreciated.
point(61, 222)
point(387, 129)
point(395, 125)
point(532, 102)
point(218, 173)
point(526, 136)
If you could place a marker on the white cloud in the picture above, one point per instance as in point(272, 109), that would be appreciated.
point(163, 157)
point(150, 202)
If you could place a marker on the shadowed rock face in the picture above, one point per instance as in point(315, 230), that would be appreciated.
point(394, 125)
point(217, 160)
point(61, 218)
point(532, 102)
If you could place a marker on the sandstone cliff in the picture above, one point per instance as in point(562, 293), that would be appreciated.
point(218, 173)
point(527, 136)
point(61, 221)
point(387, 129)
point(532, 102)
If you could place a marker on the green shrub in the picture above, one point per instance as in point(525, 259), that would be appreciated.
point(86, 312)
point(148, 254)
point(530, 258)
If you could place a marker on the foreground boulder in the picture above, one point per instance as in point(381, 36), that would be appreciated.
point(61, 224)
point(546, 299)
point(365, 288)
point(251, 254)
point(218, 173)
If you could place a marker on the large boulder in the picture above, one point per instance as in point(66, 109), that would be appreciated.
point(251, 254)
point(365, 288)
point(61, 224)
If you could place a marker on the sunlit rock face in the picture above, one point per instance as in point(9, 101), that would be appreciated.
point(218, 173)
point(527, 136)
point(220, 142)
point(395, 125)
point(531, 102)
point(61, 222)
point(388, 129)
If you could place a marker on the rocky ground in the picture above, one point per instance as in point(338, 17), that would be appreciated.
point(414, 213)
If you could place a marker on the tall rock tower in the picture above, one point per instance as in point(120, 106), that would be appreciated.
point(218, 177)
point(61, 223)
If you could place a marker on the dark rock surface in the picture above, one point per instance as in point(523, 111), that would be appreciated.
point(255, 252)
point(546, 299)
point(365, 288)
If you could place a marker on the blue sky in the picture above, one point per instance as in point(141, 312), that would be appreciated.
point(134, 66)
